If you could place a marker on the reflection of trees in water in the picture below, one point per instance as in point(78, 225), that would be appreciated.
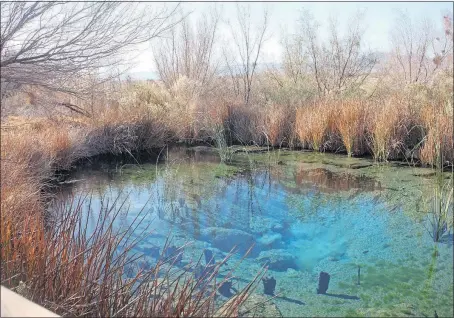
point(310, 202)
point(191, 176)
point(328, 181)
point(205, 195)
point(191, 156)
point(189, 191)
point(185, 176)
point(253, 189)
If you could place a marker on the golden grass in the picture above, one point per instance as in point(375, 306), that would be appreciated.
point(73, 271)
point(277, 122)
point(437, 119)
point(349, 120)
point(386, 127)
point(312, 122)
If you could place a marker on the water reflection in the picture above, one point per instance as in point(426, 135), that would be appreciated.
point(330, 182)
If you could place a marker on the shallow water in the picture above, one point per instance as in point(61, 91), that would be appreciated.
point(305, 213)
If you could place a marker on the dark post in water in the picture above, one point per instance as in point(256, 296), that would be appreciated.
point(323, 283)
point(269, 285)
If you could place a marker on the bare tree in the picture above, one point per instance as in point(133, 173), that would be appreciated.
point(411, 49)
point(56, 44)
point(294, 58)
point(418, 52)
point(248, 44)
point(188, 52)
point(341, 63)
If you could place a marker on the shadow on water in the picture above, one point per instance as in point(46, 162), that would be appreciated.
point(342, 296)
point(228, 292)
point(295, 301)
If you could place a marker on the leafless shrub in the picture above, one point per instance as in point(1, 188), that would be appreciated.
point(419, 54)
point(341, 64)
point(188, 52)
point(248, 46)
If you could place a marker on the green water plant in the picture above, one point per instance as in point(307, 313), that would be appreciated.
point(440, 216)
point(220, 140)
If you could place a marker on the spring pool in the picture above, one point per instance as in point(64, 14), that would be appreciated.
point(303, 213)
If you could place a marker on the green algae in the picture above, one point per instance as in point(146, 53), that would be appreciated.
point(410, 284)
point(226, 171)
point(399, 310)
point(138, 174)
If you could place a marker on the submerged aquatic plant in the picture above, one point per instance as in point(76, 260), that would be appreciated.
point(440, 218)
point(225, 152)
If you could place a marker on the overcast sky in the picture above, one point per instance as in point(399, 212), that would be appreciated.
point(379, 19)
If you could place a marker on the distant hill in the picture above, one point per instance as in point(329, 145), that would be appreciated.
point(141, 75)
point(261, 67)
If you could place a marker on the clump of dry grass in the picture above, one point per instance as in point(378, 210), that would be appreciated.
point(311, 124)
point(277, 123)
point(437, 119)
point(349, 121)
point(386, 127)
point(302, 129)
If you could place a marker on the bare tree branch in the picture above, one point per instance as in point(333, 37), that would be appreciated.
point(49, 43)
point(418, 52)
point(339, 64)
point(188, 51)
point(249, 46)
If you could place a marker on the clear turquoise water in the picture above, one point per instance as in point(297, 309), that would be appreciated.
point(305, 213)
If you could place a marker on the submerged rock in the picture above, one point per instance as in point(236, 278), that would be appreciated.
point(270, 240)
point(278, 260)
point(226, 239)
point(277, 227)
point(260, 225)
point(152, 251)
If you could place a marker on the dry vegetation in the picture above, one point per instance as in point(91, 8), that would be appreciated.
point(304, 105)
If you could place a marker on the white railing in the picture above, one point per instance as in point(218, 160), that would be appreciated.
point(14, 305)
